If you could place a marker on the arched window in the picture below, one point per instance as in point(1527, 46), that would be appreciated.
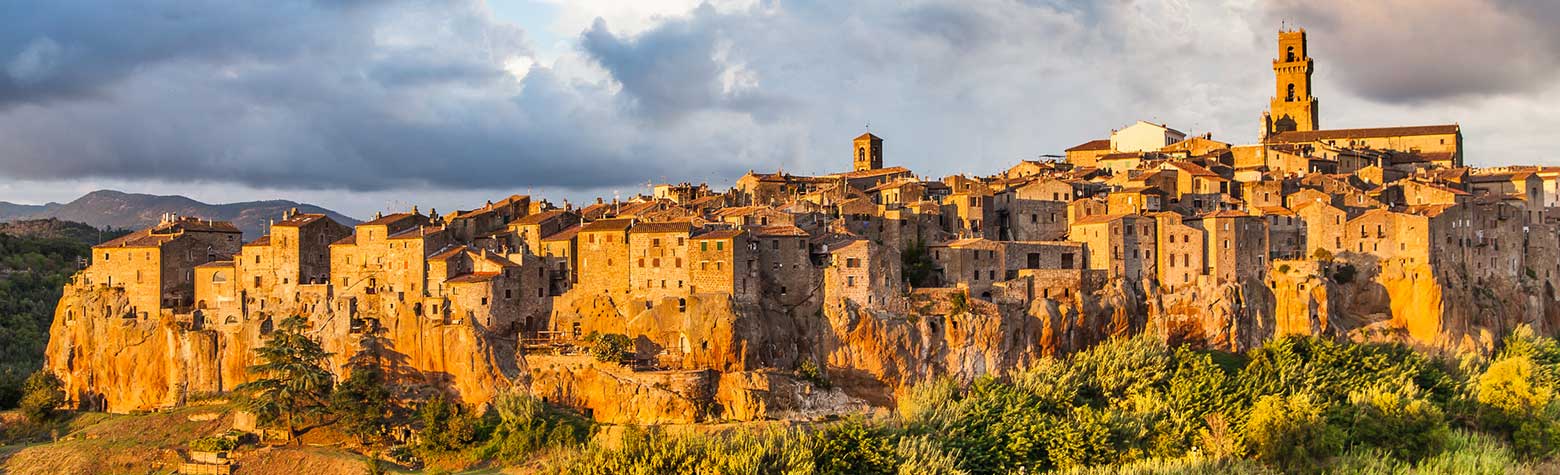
point(861, 154)
point(1290, 57)
point(1291, 96)
point(218, 277)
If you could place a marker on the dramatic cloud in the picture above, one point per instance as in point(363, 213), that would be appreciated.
point(381, 98)
point(1427, 50)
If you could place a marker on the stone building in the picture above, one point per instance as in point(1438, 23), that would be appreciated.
point(155, 266)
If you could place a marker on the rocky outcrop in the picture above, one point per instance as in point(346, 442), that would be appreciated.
point(112, 360)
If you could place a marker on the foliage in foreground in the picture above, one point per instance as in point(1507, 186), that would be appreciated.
point(1295, 405)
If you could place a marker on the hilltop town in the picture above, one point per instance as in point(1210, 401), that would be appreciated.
point(792, 296)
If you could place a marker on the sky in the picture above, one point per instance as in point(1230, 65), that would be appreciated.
point(370, 105)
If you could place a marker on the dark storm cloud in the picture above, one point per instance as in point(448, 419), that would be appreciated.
point(1411, 51)
point(301, 94)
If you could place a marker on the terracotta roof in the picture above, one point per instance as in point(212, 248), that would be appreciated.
point(142, 238)
point(388, 219)
point(349, 240)
point(981, 243)
point(868, 135)
point(262, 241)
point(473, 278)
point(538, 217)
point(893, 184)
point(1226, 214)
point(448, 253)
point(417, 232)
point(563, 235)
point(1316, 135)
point(871, 173)
point(615, 224)
point(1091, 146)
point(1278, 210)
point(1194, 169)
point(779, 231)
point(720, 234)
point(226, 263)
point(1099, 218)
point(1120, 156)
point(663, 227)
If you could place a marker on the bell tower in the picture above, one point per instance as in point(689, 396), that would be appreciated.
point(1292, 108)
point(868, 150)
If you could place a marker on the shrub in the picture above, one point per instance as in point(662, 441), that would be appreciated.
point(41, 395)
point(611, 347)
point(446, 425)
point(1397, 421)
point(810, 372)
point(526, 424)
point(1290, 433)
point(923, 455)
point(855, 447)
point(216, 443)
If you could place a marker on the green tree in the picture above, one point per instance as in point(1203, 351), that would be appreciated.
point(1291, 433)
point(292, 381)
point(446, 424)
point(611, 347)
point(1400, 422)
point(362, 403)
point(41, 395)
point(856, 447)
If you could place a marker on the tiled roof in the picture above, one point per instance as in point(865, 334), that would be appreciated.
point(872, 173)
point(663, 227)
point(720, 234)
point(417, 232)
point(538, 217)
point(779, 231)
point(563, 235)
point(473, 278)
point(868, 136)
point(607, 225)
point(1090, 146)
point(1315, 135)
point(262, 241)
point(388, 219)
point(1099, 218)
point(142, 238)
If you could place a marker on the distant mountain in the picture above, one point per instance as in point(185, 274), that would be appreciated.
point(135, 211)
point(54, 228)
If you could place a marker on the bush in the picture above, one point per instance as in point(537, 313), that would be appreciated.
point(526, 424)
point(855, 447)
point(446, 425)
point(216, 443)
point(1398, 422)
point(611, 348)
point(41, 395)
point(1290, 433)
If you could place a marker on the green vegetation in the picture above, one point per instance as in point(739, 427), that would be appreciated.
point(292, 382)
point(41, 395)
point(1295, 405)
point(33, 272)
point(362, 403)
point(611, 347)
point(919, 270)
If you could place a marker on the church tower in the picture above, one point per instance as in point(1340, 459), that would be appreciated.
point(868, 150)
point(1292, 108)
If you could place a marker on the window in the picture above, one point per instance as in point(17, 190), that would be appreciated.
point(704, 246)
point(850, 281)
point(774, 244)
point(720, 245)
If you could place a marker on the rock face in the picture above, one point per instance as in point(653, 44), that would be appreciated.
point(118, 364)
point(711, 358)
